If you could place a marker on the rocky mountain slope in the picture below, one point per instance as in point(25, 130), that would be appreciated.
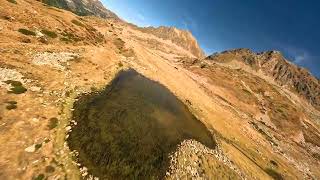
point(182, 38)
point(263, 127)
point(274, 65)
point(83, 7)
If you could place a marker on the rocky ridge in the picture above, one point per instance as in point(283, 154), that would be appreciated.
point(182, 38)
point(273, 64)
point(83, 7)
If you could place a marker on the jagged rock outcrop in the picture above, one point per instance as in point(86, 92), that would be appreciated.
point(182, 38)
point(273, 64)
point(83, 7)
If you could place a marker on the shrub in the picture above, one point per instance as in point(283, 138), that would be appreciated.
point(17, 87)
point(48, 33)
point(26, 32)
point(53, 123)
point(13, 1)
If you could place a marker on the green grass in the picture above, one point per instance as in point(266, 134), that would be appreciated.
point(17, 87)
point(26, 32)
point(13, 1)
point(50, 34)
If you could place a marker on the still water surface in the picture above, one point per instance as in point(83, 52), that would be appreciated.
point(128, 130)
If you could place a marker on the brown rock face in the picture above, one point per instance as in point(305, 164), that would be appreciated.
point(181, 38)
point(83, 7)
point(273, 64)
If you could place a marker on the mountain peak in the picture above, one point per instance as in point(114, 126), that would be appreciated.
point(182, 38)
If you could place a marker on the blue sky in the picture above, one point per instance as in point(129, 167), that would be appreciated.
point(292, 26)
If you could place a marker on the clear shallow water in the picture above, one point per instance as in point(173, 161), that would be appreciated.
point(128, 130)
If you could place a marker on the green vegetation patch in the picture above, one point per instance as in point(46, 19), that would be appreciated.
point(274, 174)
point(17, 87)
point(26, 32)
point(13, 1)
point(48, 33)
point(53, 123)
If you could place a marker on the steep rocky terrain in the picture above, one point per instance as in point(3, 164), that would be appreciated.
point(182, 38)
point(83, 7)
point(261, 109)
point(273, 64)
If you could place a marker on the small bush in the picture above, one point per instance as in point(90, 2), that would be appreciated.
point(17, 87)
point(13, 1)
point(78, 23)
point(53, 123)
point(26, 32)
point(48, 33)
